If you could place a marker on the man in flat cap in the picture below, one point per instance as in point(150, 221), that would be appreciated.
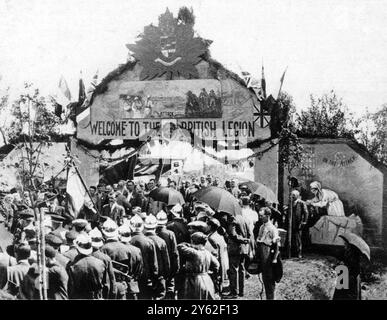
point(170, 239)
point(178, 225)
point(149, 256)
point(163, 261)
point(57, 276)
point(125, 254)
point(72, 251)
point(86, 273)
point(110, 286)
point(217, 241)
point(55, 242)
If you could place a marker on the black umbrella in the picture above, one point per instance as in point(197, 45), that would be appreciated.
point(219, 199)
point(167, 195)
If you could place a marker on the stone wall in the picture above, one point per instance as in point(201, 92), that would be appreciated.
point(349, 171)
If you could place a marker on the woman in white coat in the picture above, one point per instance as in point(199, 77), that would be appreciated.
point(325, 198)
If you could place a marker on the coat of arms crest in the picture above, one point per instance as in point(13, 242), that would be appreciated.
point(169, 48)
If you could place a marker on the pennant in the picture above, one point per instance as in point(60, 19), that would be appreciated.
point(263, 83)
point(122, 170)
point(93, 85)
point(282, 81)
point(82, 92)
point(64, 88)
point(76, 192)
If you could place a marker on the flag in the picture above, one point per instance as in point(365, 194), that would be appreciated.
point(253, 84)
point(93, 85)
point(263, 83)
point(121, 170)
point(76, 192)
point(82, 92)
point(64, 88)
point(281, 81)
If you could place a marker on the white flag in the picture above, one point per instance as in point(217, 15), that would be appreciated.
point(76, 192)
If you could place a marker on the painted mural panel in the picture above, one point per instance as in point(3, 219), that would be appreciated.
point(170, 99)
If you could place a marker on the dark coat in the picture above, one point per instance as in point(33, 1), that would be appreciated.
point(238, 235)
point(115, 214)
point(218, 242)
point(180, 229)
point(110, 287)
point(57, 282)
point(123, 202)
point(162, 254)
point(170, 239)
point(148, 252)
point(126, 254)
point(86, 276)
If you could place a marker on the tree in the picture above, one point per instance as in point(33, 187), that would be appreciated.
point(374, 133)
point(326, 117)
point(32, 128)
point(3, 114)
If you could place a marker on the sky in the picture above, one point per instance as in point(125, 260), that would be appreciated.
point(339, 45)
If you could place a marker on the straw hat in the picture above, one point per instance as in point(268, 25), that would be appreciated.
point(83, 244)
point(150, 222)
point(96, 238)
point(110, 229)
point(162, 218)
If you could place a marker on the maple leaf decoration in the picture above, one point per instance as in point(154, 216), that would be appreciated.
point(169, 48)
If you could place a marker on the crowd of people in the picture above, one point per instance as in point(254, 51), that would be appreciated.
point(123, 244)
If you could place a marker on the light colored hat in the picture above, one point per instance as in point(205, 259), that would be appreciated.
point(125, 232)
point(176, 209)
point(96, 238)
point(162, 218)
point(83, 244)
point(150, 222)
point(137, 223)
point(110, 229)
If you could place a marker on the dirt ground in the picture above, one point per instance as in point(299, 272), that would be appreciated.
point(313, 278)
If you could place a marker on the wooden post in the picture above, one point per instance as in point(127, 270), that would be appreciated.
point(43, 255)
point(290, 221)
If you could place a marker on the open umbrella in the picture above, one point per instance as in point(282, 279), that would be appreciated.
point(219, 199)
point(261, 190)
point(358, 242)
point(167, 195)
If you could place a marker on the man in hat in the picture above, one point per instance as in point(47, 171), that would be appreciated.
point(57, 276)
point(163, 261)
point(149, 256)
point(238, 239)
point(110, 286)
point(125, 254)
point(86, 273)
point(81, 225)
point(25, 217)
point(102, 197)
point(217, 241)
point(178, 225)
point(55, 242)
point(113, 210)
point(57, 226)
point(89, 213)
point(170, 239)
point(268, 238)
point(72, 252)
